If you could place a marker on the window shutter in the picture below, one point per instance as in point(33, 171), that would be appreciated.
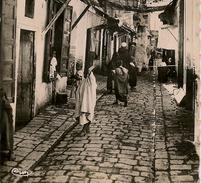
point(66, 41)
point(48, 45)
point(7, 50)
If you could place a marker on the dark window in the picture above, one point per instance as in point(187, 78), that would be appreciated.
point(145, 18)
point(96, 42)
point(29, 8)
point(59, 37)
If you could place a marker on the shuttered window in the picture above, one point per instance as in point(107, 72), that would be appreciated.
point(66, 41)
point(7, 50)
point(48, 44)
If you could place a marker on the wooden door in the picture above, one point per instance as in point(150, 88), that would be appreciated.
point(25, 79)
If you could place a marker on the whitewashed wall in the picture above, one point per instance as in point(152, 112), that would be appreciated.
point(155, 22)
point(37, 24)
point(192, 55)
point(79, 33)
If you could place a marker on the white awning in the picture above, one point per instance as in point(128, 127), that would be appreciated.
point(168, 38)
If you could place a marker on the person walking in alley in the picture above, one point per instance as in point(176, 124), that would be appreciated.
point(132, 70)
point(111, 66)
point(132, 75)
point(151, 60)
point(86, 100)
point(162, 69)
point(6, 128)
point(140, 57)
point(128, 63)
point(121, 83)
point(124, 55)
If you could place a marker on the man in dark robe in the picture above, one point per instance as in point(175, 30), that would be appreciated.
point(132, 72)
point(111, 66)
point(129, 63)
point(124, 55)
point(6, 128)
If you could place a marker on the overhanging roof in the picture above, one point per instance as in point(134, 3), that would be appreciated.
point(128, 5)
point(168, 15)
point(112, 22)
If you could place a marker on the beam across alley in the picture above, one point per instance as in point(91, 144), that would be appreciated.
point(144, 9)
point(80, 17)
point(51, 23)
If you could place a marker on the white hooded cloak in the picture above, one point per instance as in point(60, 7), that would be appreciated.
point(86, 99)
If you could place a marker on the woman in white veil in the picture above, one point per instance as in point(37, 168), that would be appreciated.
point(86, 100)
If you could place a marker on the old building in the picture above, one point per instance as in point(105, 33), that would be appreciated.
point(191, 65)
point(182, 22)
point(90, 31)
point(29, 35)
point(8, 47)
point(31, 32)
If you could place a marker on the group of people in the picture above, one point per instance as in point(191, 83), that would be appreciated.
point(123, 71)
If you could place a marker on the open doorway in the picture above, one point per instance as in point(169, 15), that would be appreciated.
point(58, 36)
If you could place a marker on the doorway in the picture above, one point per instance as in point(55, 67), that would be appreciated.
point(93, 49)
point(58, 36)
point(25, 79)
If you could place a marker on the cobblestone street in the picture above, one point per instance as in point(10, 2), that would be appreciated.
point(127, 144)
point(65, 65)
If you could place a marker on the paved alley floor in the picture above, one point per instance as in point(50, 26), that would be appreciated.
point(146, 142)
point(35, 140)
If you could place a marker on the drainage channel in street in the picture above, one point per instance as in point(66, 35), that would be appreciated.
point(154, 125)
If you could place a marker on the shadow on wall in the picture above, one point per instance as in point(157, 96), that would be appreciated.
point(188, 100)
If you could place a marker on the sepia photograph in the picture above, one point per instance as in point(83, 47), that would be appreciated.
point(100, 91)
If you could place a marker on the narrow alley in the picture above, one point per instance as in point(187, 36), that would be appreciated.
point(100, 91)
point(126, 144)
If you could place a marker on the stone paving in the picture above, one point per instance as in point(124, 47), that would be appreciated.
point(145, 142)
point(176, 159)
point(127, 145)
point(33, 142)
